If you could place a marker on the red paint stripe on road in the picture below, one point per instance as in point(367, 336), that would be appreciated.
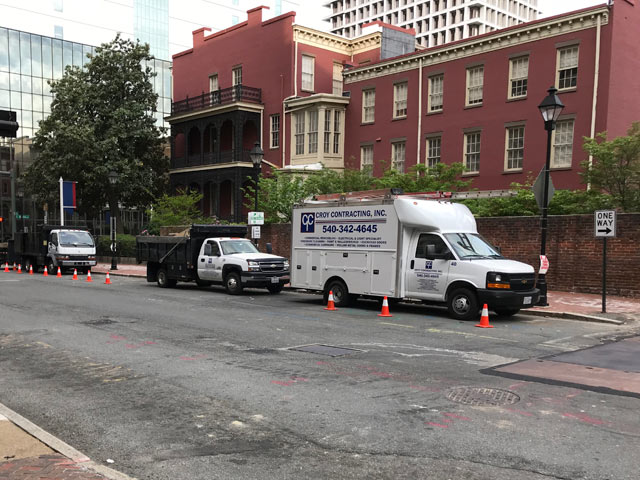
point(437, 425)
point(453, 415)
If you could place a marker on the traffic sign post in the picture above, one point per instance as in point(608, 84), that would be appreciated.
point(604, 227)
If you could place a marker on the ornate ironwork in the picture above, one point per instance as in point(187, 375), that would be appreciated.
point(237, 93)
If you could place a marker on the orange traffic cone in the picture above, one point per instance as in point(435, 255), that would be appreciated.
point(89, 276)
point(75, 274)
point(385, 308)
point(107, 280)
point(14, 266)
point(484, 319)
point(20, 268)
point(46, 273)
point(30, 269)
point(59, 274)
point(6, 266)
point(330, 304)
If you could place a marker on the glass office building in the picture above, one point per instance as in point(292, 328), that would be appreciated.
point(27, 63)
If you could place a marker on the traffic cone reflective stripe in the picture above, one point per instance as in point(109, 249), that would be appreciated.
point(385, 308)
point(30, 269)
point(59, 274)
point(20, 268)
point(330, 303)
point(75, 274)
point(89, 276)
point(484, 319)
point(108, 280)
point(46, 273)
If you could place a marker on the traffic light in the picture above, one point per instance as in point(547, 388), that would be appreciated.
point(8, 124)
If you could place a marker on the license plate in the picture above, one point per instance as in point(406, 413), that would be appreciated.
point(526, 301)
point(277, 280)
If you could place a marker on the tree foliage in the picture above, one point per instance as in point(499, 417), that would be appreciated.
point(616, 167)
point(102, 121)
point(180, 209)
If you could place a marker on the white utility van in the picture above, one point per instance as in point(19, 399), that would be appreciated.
point(404, 247)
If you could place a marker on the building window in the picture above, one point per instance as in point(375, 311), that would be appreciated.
point(562, 144)
point(275, 130)
point(236, 2)
point(57, 5)
point(327, 131)
point(366, 158)
point(57, 31)
point(300, 133)
point(368, 105)
point(518, 77)
point(472, 152)
point(213, 83)
point(434, 144)
point(475, 81)
point(398, 155)
point(237, 76)
point(337, 79)
point(514, 154)
point(308, 66)
point(336, 131)
point(436, 88)
point(567, 68)
point(234, 20)
point(400, 100)
point(313, 131)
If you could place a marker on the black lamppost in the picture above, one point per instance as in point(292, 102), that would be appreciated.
point(256, 155)
point(550, 108)
point(113, 180)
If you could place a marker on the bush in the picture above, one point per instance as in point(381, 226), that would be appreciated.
point(126, 246)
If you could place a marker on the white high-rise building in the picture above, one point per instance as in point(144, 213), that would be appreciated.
point(435, 21)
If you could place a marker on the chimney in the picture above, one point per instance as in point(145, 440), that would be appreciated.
point(254, 16)
point(198, 36)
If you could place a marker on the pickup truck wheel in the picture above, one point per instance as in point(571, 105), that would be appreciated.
point(51, 268)
point(506, 312)
point(275, 288)
point(462, 304)
point(164, 281)
point(233, 284)
point(341, 297)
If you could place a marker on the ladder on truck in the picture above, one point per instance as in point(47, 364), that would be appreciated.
point(387, 194)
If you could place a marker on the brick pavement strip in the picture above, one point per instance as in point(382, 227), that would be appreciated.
point(46, 467)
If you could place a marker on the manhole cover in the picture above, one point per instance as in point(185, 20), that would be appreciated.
point(480, 396)
point(326, 350)
point(100, 321)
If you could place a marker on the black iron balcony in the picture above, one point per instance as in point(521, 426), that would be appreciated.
point(237, 93)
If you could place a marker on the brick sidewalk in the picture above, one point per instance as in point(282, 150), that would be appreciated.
point(49, 467)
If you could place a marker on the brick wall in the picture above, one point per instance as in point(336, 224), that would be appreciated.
point(574, 253)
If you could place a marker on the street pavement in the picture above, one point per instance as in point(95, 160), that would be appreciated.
point(28, 452)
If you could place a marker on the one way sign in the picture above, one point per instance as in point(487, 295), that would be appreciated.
point(605, 223)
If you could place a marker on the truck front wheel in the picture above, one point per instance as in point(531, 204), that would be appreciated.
point(462, 304)
point(232, 283)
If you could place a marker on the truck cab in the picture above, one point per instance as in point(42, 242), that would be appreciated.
point(70, 248)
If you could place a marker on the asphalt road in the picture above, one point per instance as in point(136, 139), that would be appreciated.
point(191, 383)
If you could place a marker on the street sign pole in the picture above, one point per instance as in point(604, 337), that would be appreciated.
point(605, 226)
point(604, 275)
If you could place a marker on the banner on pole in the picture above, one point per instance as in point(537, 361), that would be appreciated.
point(69, 196)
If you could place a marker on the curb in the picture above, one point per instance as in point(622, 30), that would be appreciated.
point(112, 274)
point(574, 316)
point(60, 446)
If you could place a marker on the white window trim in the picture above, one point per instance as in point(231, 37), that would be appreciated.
point(553, 143)
point(338, 80)
point(364, 165)
point(396, 89)
point(237, 75)
point(469, 86)
point(512, 79)
point(558, 51)
point(310, 81)
point(394, 148)
point(366, 108)
point(506, 148)
point(430, 94)
point(465, 153)
point(428, 153)
point(272, 131)
point(212, 77)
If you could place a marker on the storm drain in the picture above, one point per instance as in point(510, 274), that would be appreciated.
point(326, 350)
point(479, 396)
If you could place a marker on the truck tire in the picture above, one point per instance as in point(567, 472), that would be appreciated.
point(232, 283)
point(341, 297)
point(506, 312)
point(275, 288)
point(29, 263)
point(164, 281)
point(462, 304)
point(51, 267)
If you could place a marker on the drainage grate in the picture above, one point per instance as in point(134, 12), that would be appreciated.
point(480, 396)
point(326, 350)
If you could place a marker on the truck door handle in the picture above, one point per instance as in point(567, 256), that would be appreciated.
point(202, 259)
point(412, 264)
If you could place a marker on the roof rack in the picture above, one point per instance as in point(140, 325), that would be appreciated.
point(397, 192)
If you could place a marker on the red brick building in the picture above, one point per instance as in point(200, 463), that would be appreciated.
point(311, 97)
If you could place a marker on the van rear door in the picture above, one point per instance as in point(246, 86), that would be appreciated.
point(427, 273)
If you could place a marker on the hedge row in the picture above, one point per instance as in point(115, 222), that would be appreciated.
point(126, 246)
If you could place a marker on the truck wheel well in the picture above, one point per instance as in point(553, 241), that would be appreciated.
point(329, 280)
point(230, 268)
point(459, 284)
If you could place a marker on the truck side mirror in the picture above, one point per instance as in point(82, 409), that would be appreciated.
point(207, 249)
point(269, 248)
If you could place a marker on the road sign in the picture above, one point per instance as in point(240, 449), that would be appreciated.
point(256, 218)
point(544, 264)
point(255, 232)
point(605, 223)
point(538, 189)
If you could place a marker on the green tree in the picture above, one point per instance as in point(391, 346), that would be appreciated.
point(616, 167)
point(102, 121)
point(276, 195)
point(181, 209)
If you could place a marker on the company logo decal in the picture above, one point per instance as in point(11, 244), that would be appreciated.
point(308, 223)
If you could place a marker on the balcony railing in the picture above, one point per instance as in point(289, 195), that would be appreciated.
point(228, 156)
point(237, 93)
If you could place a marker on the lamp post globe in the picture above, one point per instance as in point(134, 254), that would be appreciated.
point(550, 109)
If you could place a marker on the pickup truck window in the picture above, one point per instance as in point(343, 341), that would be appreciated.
point(215, 249)
point(430, 245)
point(472, 245)
point(54, 238)
point(75, 239)
point(238, 246)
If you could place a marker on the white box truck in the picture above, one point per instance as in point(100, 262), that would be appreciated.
point(404, 247)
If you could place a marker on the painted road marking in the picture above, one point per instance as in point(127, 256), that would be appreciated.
point(396, 324)
point(468, 334)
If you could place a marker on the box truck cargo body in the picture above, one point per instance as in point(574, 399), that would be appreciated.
point(405, 247)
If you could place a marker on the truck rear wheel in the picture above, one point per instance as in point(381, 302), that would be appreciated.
point(164, 281)
point(29, 263)
point(51, 267)
point(341, 296)
point(232, 283)
point(462, 304)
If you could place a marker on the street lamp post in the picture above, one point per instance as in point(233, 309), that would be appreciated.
point(256, 155)
point(550, 108)
point(113, 180)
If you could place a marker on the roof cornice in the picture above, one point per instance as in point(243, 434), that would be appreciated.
point(336, 43)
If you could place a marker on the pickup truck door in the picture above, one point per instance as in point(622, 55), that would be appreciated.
point(427, 271)
point(208, 263)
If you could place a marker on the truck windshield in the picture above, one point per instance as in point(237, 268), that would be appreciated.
point(471, 245)
point(75, 238)
point(238, 246)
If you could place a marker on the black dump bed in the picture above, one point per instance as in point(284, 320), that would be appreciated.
point(182, 250)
